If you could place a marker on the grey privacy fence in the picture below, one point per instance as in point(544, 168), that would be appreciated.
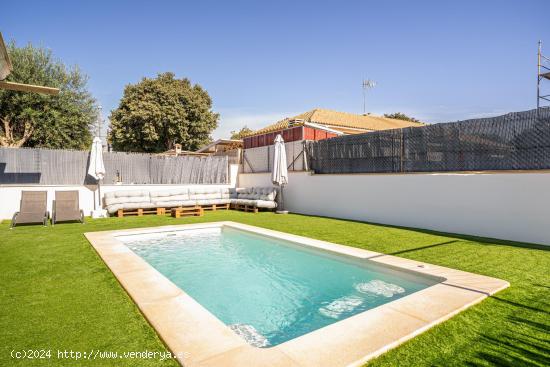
point(260, 159)
point(69, 167)
point(515, 141)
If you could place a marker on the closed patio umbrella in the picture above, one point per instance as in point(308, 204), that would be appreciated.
point(97, 168)
point(279, 175)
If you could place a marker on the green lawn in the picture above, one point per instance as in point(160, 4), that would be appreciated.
point(56, 293)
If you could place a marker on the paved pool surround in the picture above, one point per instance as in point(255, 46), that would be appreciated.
point(198, 338)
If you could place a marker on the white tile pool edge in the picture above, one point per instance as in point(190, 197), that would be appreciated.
point(198, 338)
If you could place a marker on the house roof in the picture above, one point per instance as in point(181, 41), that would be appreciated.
point(175, 153)
point(341, 121)
point(227, 142)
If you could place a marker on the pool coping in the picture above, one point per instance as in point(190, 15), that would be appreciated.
point(197, 338)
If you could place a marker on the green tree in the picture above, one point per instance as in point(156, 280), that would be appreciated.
point(157, 113)
point(237, 135)
point(37, 120)
point(400, 116)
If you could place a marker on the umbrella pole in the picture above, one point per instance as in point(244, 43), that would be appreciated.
point(282, 199)
point(95, 203)
point(99, 194)
point(281, 210)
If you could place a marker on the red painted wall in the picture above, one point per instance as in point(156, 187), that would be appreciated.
point(311, 133)
point(290, 134)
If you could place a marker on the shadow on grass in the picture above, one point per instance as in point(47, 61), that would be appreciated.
point(22, 225)
point(516, 304)
point(422, 247)
point(538, 326)
point(483, 240)
point(518, 345)
point(414, 249)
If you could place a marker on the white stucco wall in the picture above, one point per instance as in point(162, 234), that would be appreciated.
point(10, 195)
point(511, 206)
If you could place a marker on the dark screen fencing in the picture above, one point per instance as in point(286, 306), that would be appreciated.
point(69, 167)
point(515, 141)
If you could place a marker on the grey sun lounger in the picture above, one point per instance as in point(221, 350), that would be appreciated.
point(32, 209)
point(66, 207)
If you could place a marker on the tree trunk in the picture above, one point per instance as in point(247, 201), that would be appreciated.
point(9, 141)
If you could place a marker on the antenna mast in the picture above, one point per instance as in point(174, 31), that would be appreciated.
point(543, 72)
point(367, 84)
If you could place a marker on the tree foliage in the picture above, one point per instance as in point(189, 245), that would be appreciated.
point(400, 116)
point(157, 113)
point(38, 120)
point(237, 135)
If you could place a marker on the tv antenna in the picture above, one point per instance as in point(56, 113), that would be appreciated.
point(367, 84)
point(543, 72)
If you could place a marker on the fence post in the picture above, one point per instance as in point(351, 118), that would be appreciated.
point(304, 147)
point(402, 150)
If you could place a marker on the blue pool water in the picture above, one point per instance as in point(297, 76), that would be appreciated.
point(268, 290)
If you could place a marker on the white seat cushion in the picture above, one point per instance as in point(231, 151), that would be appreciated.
point(132, 199)
point(205, 193)
point(265, 204)
point(134, 196)
point(243, 201)
point(170, 195)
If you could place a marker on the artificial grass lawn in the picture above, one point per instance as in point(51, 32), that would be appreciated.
point(57, 294)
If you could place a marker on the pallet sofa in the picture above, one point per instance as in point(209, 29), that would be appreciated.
point(251, 199)
point(140, 202)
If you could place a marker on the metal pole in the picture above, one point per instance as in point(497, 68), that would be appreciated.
point(367, 84)
point(304, 156)
point(99, 194)
point(402, 153)
point(538, 75)
point(364, 100)
point(282, 199)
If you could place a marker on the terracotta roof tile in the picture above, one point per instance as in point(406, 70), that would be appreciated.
point(339, 120)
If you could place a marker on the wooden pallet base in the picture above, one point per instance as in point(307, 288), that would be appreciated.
point(245, 208)
point(187, 211)
point(215, 207)
point(139, 212)
point(192, 210)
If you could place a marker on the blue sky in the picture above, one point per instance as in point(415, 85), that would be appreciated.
point(261, 61)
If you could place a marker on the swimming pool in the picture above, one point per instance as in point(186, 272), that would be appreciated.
point(230, 294)
point(267, 290)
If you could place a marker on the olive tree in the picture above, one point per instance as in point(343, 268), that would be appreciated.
point(51, 121)
point(157, 113)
